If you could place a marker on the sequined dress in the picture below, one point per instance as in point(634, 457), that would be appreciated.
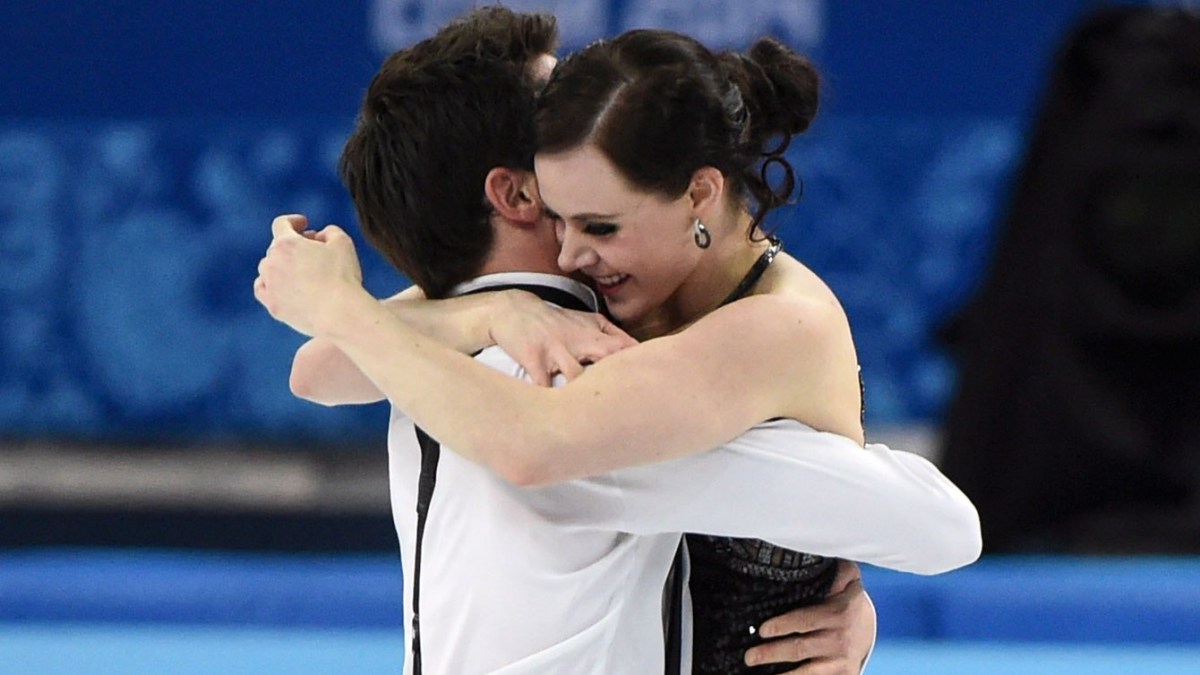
point(737, 584)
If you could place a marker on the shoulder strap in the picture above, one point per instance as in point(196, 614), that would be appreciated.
point(674, 620)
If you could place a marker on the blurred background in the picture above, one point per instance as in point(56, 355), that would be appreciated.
point(1006, 197)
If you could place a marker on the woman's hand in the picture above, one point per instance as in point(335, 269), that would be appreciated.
point(547, 340)
point(305, 276)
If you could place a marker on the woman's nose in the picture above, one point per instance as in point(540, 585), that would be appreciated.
point(574, 253)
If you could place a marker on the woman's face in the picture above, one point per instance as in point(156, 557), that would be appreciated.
point(635, 246)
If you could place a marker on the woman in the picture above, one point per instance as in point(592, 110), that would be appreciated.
point(655, 154)
point(656, 114)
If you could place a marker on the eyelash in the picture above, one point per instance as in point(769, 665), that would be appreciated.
point(593, 229)
point(600, 229)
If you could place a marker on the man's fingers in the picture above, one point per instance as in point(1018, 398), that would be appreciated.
point(791, 649)
point(853, 588)
point(814, 617)
point(847, 572)
point(819, 646)
point(823, 667)
point(803, 620)
point(288, 225)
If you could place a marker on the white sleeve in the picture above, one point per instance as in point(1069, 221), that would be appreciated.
point(874, 636)
point(796, 487)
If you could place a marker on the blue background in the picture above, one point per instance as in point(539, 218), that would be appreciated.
point(145, 147)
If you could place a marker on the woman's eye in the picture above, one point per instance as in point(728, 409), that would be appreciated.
point(599, 229)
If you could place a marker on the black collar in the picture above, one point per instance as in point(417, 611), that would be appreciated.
point(557, 296)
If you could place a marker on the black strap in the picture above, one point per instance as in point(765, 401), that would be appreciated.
point(431, 451)
point(557, 296)
point(674, 629)
point(756, 271)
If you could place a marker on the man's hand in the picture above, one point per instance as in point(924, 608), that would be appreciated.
point(305, 276)
point(547, 340)
point(832, 638)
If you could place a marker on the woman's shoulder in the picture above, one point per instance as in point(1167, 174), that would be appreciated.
point(797, 305)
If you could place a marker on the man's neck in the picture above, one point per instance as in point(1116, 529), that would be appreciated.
point(515, 259)
point(522, 249)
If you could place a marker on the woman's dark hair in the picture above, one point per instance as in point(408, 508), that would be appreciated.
point(435, 120)
point(660, 105)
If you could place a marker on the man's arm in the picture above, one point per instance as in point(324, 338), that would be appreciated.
point(796, 487)
point(323, 374)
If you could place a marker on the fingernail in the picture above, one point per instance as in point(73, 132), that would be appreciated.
point(764, 631)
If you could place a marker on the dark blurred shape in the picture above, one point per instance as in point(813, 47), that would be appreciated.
point(1076, 422)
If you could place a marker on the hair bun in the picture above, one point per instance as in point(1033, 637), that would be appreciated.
point(784, 88)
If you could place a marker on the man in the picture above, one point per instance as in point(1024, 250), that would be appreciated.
point(442, 119)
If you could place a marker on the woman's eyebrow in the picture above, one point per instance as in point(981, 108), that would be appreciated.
point(577, 216)
point(590, 216)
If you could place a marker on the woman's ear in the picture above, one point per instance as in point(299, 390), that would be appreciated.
point(513, 194)
point(707, 191)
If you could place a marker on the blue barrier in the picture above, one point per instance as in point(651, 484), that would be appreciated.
point(1067, 600)
point(98, 586)
point(1020, 599)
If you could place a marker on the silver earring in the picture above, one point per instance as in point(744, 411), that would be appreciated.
point(701, 235)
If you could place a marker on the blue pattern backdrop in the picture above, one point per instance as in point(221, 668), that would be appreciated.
point(144, 148)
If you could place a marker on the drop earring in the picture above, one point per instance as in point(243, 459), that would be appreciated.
point(700, 234)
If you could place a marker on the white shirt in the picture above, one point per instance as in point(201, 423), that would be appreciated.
point(569, 578)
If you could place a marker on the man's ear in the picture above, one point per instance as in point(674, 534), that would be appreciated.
point(706, 191)
point(513, 194)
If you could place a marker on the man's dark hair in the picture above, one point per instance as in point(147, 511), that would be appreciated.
point(437, 117)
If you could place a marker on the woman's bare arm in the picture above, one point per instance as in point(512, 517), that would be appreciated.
point(666, 398)
point(322, 373)
point(762, 357)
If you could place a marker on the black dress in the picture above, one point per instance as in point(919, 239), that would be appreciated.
point(737, 584)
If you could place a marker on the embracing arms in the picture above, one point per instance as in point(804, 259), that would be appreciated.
point(322, 373)
point(795, 487)
point(667, 398)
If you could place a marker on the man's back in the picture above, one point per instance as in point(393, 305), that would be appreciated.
point(510, 584)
